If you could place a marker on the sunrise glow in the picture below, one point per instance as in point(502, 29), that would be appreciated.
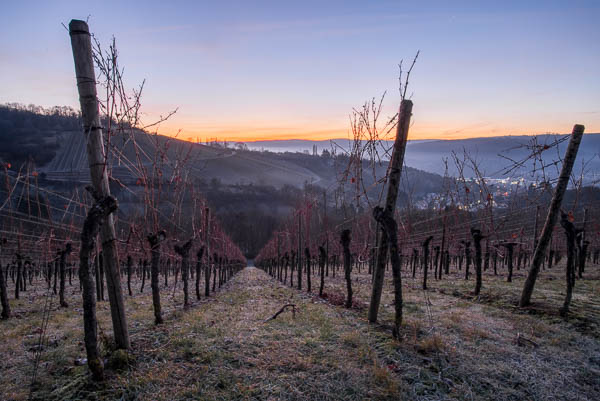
point(280, 70)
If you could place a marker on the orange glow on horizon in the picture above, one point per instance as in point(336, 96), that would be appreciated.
point(191, 132)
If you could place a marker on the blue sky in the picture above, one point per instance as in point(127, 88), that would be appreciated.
point(240, 69)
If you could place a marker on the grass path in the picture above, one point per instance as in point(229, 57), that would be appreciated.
point(222, 348)
point(226, 350)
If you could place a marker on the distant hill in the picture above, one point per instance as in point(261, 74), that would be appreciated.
point(428, 155)
point(53, 140)
point(487, 151)
point(247, 189)
point(31, 132)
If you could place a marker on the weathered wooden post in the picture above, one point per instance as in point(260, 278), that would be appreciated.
point(278, 265)
point(425, 260)
point(390, 204)
point(559, 192)
point(184, 252)
point(129, 267)
point(535, 226)
point(345, 241)
point(325, 223)
point(477, 237)
point(442, 248)
point(299, 254)
point(582, 246)
point(91, 226)
point(19, 274)
point(292, 263)
point(322, 259)
point(468, 260)
point(214, 271)
point(199, 254)
point(3, 293)
point(308, 281)
point(207, 245)
point(510, 246)
point(63, 265)
point(155, 240)
point(86, 84)
point(571, 234)
point(390, 226)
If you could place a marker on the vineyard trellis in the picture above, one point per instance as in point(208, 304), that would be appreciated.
point(48, 235)
point(509, 247)
point(511, 238)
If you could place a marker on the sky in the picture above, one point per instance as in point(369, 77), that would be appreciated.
point(256, 70)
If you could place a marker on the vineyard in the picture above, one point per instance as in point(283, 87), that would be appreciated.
point(119, 281)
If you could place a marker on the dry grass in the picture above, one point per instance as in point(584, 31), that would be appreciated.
point(455, 346)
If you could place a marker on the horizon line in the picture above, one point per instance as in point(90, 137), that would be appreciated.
point(221, 140)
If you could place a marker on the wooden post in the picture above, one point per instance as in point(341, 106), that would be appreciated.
point(155, 240)
point(570, 233)
point(390, 226)
point(390, 204)
point(467, 258)
point(278, 265)
point(129, 267)
point(299, 254)
point(585, 220)
point(582, 246)
point(91, 226)
point(345, 241)
point(376, 249)
point(325, 223)
point(184, 252)
point(214, 271)
point(425, 260)
point(292, 263)
point(3, 293)
point(535, 227)
point(63, 266)
point(207, 242)
point(561, 187)
point(86, 84)
point(441, 261)
point(322, 259)
point(477, 237)
point(308, 281)
point(19, 274)
point(198, 270)
point(510, 246)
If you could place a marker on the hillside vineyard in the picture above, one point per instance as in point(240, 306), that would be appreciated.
point(139, 266)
